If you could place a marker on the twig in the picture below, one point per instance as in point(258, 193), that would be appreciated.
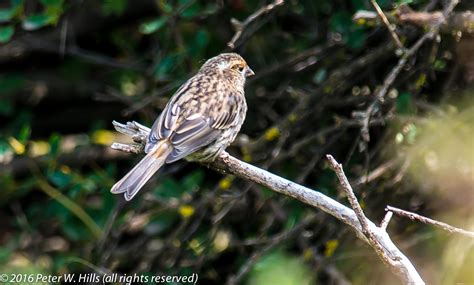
point(386, 220)
point(147, 100)
point(108, 226)
point(63, 41)
point(346, 186)
point(337, 167)
point(391, 28)
point(241, 26)
point(35, 43)
point(388, 81)
point(289, 64)
point(225, 163)
point(415, 217)
point(376, 173)
point(403, 15)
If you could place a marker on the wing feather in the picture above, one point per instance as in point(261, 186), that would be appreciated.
point(189, 131)
point(187, 140)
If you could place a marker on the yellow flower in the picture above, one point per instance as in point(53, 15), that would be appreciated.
point(226, 182)
point(186, 211)
point(272, 133)
point(331, 246)
point(307, 254)
point(17, 146)
point(103, 137)
point(38, 148)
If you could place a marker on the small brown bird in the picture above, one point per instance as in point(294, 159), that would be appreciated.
point(201, 119)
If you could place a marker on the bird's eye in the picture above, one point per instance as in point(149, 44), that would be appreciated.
point(238, 67)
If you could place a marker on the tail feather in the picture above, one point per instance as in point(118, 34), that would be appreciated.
point(134, 180)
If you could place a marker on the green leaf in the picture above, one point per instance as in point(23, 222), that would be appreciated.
point(160, 223)
point(385, 3)
point(89, 185)
point(296, 213)
point(16, 3)
point(358, 4)
point(74, 70)
point(340, 22)
point(5, 254)
point(6, 108)
point(4, 147)
point(59, 179)
point(356, 39)
point(6, 15)
point(74, 230)
point(191, 11)
point(266, 193)
point(278, 267)
point(169, 188)
point(54, 12)
point(6, 33)
point(52, 2)
point(439, 64)
point(24, 134)
point(37, 21)
point(54, 141)
point(404, 103)
point(165, 6)
point(9, 13)
point(116, 7)
point(326, 182)
point(352, 35)
point(11, 83)
point(153, 26)
point(201, 40)
point(193, 180)
point(320, 76)
point(210, 9)
point(165, 65)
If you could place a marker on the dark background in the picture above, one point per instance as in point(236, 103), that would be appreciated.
point(68, 68)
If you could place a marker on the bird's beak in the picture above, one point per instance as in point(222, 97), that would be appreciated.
point(249, 72)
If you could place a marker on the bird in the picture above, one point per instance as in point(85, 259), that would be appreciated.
point(200, 120)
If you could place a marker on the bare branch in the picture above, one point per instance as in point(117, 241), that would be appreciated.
point(377, 172)
point(240, 27)
point(403, 15)
point(415, 217)
point(337, 167)
point(391, 28)
point(373, 241)
point(225, 163)
point(388, 81)
point(127, 148)
point(386, 220)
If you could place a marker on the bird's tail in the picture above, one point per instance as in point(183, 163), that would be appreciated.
point(131, 183)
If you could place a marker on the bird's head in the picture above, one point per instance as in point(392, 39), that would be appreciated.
point(231, 65)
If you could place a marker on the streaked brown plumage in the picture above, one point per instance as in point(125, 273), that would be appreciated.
point(201, 119)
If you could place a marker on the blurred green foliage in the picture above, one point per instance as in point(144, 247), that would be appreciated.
point(48, 14)
point(68, 68)
point(280, 268)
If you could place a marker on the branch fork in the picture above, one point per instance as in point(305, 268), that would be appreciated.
point(366, 230)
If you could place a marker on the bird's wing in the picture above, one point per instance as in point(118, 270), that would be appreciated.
point(165, 124)
point(191, 135)
point(190, 131)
